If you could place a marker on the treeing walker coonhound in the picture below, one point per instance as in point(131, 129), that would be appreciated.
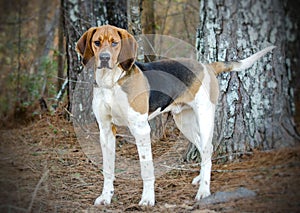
point(129, 93)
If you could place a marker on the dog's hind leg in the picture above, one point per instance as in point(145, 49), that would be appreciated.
point(197, 127)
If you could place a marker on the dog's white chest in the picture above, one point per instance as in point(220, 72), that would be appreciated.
point(112, 103)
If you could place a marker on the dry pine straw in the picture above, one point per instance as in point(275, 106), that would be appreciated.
point(43, 170)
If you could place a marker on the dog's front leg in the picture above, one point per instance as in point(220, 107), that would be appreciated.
point(141, 131)
point(108, 143)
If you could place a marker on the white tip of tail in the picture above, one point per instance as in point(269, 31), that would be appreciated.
point(248, 62)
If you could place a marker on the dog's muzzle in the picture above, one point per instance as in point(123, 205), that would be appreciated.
point(104, 60)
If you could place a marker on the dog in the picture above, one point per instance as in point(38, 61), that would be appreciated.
point(130, 93)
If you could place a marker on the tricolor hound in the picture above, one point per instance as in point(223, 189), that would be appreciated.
point(129, 93)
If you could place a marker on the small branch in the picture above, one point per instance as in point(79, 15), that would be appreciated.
point(182, 167)
point(36, 190)
point(80, 125)
point(175, 168)
point(237, 153)
point(61, 93)
point(232, 171)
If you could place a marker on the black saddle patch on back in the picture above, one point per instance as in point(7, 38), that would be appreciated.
point(168, 79)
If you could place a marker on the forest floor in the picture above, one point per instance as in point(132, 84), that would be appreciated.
point(43, 169)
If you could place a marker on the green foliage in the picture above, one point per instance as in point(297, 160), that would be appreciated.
point(54, 129)
point(28, 66)
point(25, 85)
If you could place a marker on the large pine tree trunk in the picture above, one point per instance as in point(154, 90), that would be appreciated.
point(135, 9)
point(256, 106)
point(80, 16)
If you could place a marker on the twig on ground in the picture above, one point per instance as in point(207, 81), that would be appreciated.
point(36, 190)
point(86, 130)
point(231, 154)
point(180, 168)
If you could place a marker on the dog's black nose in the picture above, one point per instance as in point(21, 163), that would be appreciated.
point(104, 56)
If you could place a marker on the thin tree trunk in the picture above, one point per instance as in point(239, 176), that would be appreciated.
point(46, 33)
point(135, 27)
point(79, 17)
point(255, 107)
point(60, 56)
point(148, 19)
point(148, 22)
point(135, 24)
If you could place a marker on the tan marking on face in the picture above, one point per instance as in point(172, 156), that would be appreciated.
point(136, 87)
point(109, 41)
point(121, 46)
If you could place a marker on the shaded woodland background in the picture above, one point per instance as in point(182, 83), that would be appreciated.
point(32, 49)
point(38, 41)
point(44, 168)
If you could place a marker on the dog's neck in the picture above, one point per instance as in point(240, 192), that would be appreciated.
point(107, 78)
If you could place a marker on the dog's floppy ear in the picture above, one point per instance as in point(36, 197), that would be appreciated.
point(84, 45)
point(128, 50)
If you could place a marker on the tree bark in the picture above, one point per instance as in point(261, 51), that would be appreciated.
point(116, 13)
point(135, 28)
point(76, 23)
point(61, 45)
point(256, 106)
point(79, 17)
point(135, 24)
point(148, 22)
point(148, 19)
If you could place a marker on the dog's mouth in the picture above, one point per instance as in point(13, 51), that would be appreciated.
point(104, 64)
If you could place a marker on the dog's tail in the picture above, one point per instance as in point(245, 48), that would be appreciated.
point(219, 67)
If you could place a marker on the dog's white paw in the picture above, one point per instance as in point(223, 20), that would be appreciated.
point(196, 180)
point(147, 202)
point(148, 196)
point(104, 199)
point(148, 199)
point(202, 193)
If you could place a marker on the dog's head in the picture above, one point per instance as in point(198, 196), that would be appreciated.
point(110, 45)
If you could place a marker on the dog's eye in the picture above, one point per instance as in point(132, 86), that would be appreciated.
point(97, 43)
point(114, 44)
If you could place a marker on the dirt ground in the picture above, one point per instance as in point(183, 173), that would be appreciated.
point(43, 169)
